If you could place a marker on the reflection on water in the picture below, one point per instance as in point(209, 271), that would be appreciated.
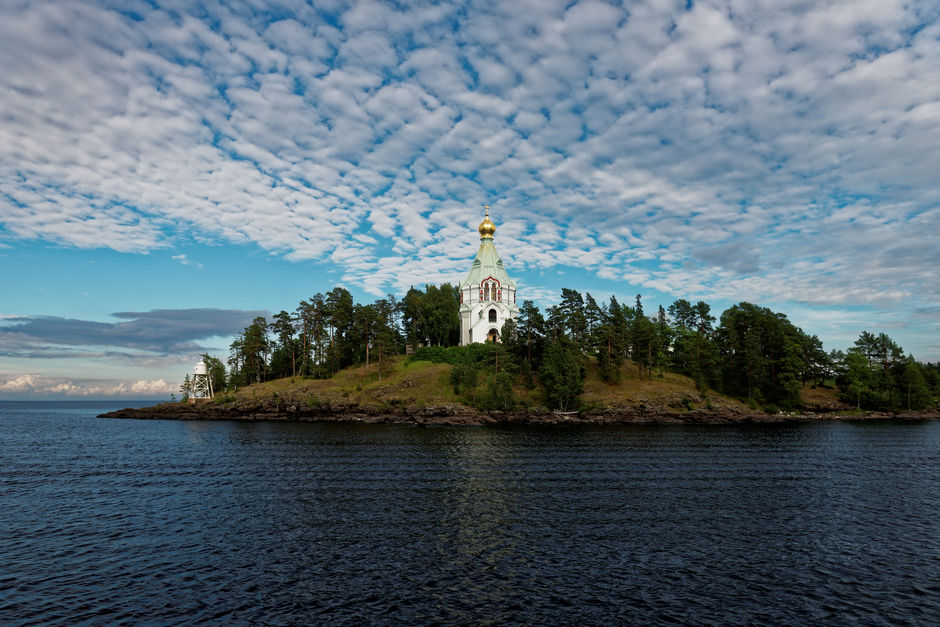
point(479, 530)
point(137, 521)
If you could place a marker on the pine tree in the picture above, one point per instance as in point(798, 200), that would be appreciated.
point(186, 387)
point(914, 386)
point(562, 375)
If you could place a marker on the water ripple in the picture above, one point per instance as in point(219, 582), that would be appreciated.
point(281, 524)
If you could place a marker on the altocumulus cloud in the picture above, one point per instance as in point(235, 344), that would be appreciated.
point(645, 142)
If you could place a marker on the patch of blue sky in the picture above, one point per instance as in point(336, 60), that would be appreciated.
point(43, 279)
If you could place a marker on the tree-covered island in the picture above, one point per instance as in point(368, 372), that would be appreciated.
point(581, 360)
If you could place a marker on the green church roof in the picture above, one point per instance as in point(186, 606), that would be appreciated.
point(487, 264)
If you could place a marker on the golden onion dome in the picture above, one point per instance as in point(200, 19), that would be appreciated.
point(487, 228)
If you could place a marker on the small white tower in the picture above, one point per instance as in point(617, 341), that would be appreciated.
point(202, 385)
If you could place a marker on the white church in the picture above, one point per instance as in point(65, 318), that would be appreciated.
point(487, 295)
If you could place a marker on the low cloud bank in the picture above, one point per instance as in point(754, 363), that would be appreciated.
point(137, 334)
point(34, 386)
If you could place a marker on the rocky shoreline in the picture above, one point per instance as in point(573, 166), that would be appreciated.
point(457, 415)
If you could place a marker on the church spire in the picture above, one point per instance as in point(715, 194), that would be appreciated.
point(487, 228)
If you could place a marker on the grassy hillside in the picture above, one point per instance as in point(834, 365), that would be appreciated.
point(402, 383)
point(823, 399)
point(421, 384)
point(668, 389)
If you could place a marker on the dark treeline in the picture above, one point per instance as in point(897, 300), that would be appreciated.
point(329, 332)
point(748, 352)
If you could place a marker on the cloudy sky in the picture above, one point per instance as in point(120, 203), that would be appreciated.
point(168, 170)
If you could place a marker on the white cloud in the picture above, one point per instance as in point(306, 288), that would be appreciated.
point(20, 384)
point(34, 386)
point(781, 151)
point(186, 261)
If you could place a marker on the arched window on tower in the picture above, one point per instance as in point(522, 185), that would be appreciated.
point(492, 315)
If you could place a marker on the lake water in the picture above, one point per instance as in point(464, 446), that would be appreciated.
point(174, 522)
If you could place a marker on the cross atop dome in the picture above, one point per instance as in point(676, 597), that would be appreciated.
point(486, 228)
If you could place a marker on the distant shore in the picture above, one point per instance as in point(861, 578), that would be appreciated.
point(458, 415)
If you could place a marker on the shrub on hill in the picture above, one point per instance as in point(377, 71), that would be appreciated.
point(453, 355)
